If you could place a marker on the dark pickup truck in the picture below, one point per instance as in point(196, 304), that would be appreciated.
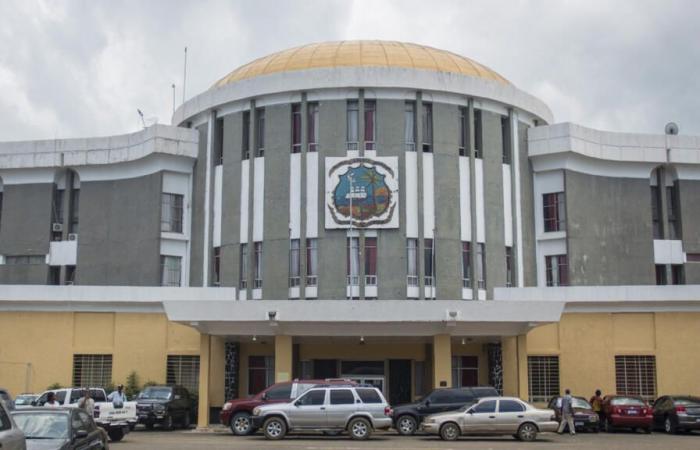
point(164, 405)
point(407, 417)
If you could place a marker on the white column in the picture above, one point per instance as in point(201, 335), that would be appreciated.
point(207, 199)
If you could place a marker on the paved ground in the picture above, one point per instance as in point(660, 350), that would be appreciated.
point(190, 440)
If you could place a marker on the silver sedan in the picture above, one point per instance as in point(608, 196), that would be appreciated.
point(492, 416)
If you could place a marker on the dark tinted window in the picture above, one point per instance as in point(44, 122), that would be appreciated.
point(4, 420)
point(98, 395)
point(687, 401)
point(488, 406)
point(481, 392)
point(510, 406)
point(463, 396)
point(443, 396)
point(342, 397)
point(369, 396)
point(313, 398)
point(61, 396)
point(280, 393)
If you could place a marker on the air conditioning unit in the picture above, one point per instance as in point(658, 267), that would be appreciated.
point(72, 236)
point(57, 227)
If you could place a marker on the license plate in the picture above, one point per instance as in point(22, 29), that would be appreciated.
point(578, 424)
point(632, 412)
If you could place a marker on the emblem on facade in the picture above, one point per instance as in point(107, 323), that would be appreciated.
point(361, 192)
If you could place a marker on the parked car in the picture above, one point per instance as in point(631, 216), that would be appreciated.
point(25, 400)
point(492, 416)
point(6, 398)
point(332, 409)
point(117, 422)
point(408, 417)
point(11, 436)
point(59, 429)
point(623, 411)
point(237, 413)
point(675, 413)
point(585, 419)
point(165, 406)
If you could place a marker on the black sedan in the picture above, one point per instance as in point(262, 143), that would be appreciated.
point(677, 413)
point(59, 429)
point(585, 419)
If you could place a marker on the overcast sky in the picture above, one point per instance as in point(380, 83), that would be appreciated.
point(82, 68)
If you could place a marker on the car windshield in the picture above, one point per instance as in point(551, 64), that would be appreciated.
point(43, 425)
point(626, 401)
point(155, 393)
point(580, 403)
point(687, 401)
point(24, 400)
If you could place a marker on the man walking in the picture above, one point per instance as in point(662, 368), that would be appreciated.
point(87, 403)
point(567, 414)
point(597, 405)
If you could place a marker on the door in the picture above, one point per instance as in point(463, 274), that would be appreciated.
point(342, 405)
point(77, 425)
point(309, 410)
point(439, 401)
point(481, 418)
point(94, 438)
point(659, 411)
point(325, 368)
point(510, 414)
point(10, 436)
point(400, 381)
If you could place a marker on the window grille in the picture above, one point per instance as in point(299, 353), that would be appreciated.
point(184, 370)
point(543, 377)
point(92, 370)
point(636, 375)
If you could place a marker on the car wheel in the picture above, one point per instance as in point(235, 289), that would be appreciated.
point(669, 426)
point(241, 424)
point(359, 429)
point(186, 421)
point(116, 435)
point(527, 432)
point(406, 425)
point(449, 432)
point(168, 422)
point(149, 426)
point(275, 428)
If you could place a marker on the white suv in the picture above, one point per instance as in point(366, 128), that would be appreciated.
point(355, 409)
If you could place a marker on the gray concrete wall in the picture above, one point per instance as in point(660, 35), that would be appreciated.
point(608, 230)
point(448, 250)
point(278, 143)
point(119, 240)
point(231, 200)
point(26, 230)
point(197, 234)
point(690, 225)
point(493, 201)
point(331, 243)
point(527, 206)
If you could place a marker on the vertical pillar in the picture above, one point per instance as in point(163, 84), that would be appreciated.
point(471, 142)
point(283, 358)
point(442, 361)
point(204, 362)
point(515, 378)
point(207, 199)
point(217, 367)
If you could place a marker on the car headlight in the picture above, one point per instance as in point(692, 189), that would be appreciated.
point(594, 418)
point(256, 411)
point(227, 406)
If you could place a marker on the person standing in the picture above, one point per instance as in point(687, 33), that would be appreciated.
point(567, 414)
point(597, 404)
point(117, 397)
point(87, 404)
point(51, 401)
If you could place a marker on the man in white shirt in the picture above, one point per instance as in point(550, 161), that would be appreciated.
point(117, 397)
point(87, 403)
point(51, 401)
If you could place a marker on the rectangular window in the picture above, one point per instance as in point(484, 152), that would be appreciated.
point(296, 128)
point(92, 370)
point(216, 264)
point(427, 121)
point(660, 271)
point(171, 212)
point(410, 126)
point(465, 371)
point(509, 266)
point(294, 263)
point(311, 261)
point(656, 212)
point(481, 265)
point(463, 132)
point(554, 210)
point(353, 116)
point(74, 210)
point(57, 215)
point(183, 370)
point(466, 265)
point(25, 259)
point(245, 136)
point(673, 205)
point(258, 275)
point(170, 270)
point(54, 275)
point(636, 375)
point(218, 156)
point(370, 124)
point(428, 263)
point(692, 257)
point(70, 275)
point(505, 139)
point(557, 270)
point(412, 262)
point(353, 261)
point(478, 140)
point(243, 265)
point(261, 373)
point(677, 274)
point(260, 133)
point(312, 126)
point(371, 261)
point(543, 377)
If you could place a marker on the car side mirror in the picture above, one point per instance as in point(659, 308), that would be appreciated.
point(297, 403)
point(33, 402)
point(427, 403)
point(264, 396)
point(81, 434)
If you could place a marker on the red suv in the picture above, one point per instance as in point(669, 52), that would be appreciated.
point(236, 413)
point(623, 411)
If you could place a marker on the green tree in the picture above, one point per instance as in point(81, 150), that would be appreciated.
point(131, 387)
point(54, 386)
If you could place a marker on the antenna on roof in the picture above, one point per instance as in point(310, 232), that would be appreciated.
point(143, 122)
point(184, 77)
point(173, 98)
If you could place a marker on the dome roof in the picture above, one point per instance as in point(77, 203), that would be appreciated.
point(327, 55)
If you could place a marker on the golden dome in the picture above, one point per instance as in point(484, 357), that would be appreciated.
point(361, 54)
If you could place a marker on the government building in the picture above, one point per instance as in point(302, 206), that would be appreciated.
point(382, 211)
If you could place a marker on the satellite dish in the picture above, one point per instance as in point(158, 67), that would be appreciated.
point(671, 128)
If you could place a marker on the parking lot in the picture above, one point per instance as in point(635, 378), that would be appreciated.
point(192, 440)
